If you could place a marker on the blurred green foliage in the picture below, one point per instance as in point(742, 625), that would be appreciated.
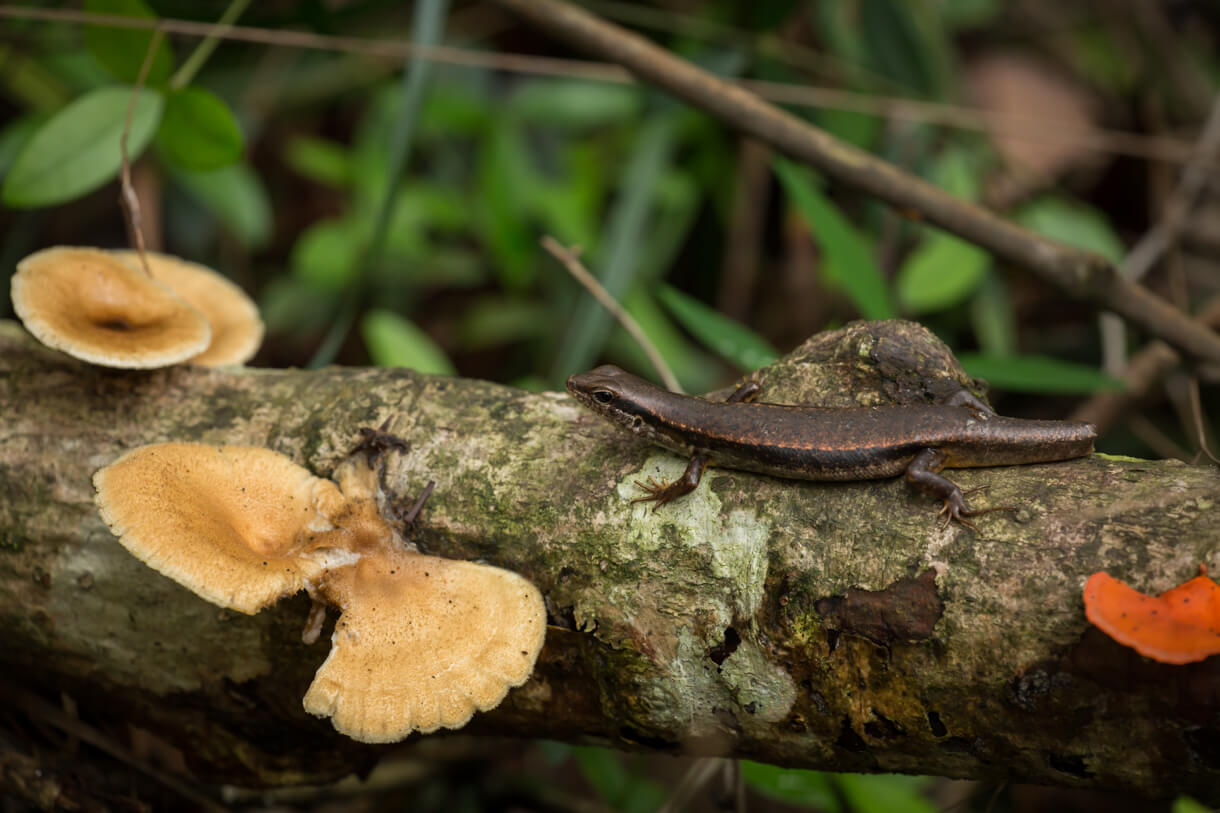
point(628, 176)
point(278, 164)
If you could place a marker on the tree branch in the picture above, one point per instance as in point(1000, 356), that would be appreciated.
point(820, 625)
point(1078, 273)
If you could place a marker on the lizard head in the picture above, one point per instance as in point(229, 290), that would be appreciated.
point(615, 394)
point(634, 404)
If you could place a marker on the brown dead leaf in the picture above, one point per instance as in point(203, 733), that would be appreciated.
point(1038, 118)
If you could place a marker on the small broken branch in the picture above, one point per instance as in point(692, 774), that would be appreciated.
point(127, 196)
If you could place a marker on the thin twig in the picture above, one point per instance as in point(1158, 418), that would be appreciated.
point(1081, 274)
point(1151, 436)
point(1195, 403)
point(1146, 369)
point(127, 195)
point(1118, 142)
point(570, 258)
point(413, 512)
point(185, 74)
point(735, 784)
point(700, 772)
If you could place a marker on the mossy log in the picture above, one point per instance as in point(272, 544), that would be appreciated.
point(821, 625)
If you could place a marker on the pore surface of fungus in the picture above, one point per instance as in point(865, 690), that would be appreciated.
point(237, 330)
point(421, 643)
point(1181, 625)
point(90, 305)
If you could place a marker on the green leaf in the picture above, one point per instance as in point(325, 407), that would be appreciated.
point(198, 131)
point(236, 197)
point(839, 25)
point(322, 161)
point(677, 204)
point(848, 260)
point(394, 341)
point(941, 272)
point(1185, 804)
point(885, 793)
point(121, 51)
point(1100, 59)
point(431, 265)
point(422, 206)
point(77, 150)
point(554, 753)
point(957, 173)
point(454, 109)
point(570, 206)
point(1037, 374)
point(696, 370)
point(956, 14)
point(992, 317)
point(576, 103)
point(603, 769)
point(497, 320)
point(905, 42)
point(1073, 223)
point(289, 307)
point(729, 339)
point(860, 129)
point(506, 185)
point(623, 791)
point(327, 254)
point(944, 270)
point(805, 788)
point(14, 137)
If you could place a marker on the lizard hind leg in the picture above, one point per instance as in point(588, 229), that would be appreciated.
point(744, 394)
point(924, 473)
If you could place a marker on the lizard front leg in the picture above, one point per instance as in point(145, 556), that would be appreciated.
point(661, 493)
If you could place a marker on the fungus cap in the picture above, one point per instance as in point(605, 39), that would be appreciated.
point(229, 523)
point(423, 643)
point(237, 330)
point(1182, 625)
point(90, 305)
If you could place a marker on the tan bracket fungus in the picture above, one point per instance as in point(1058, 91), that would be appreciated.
point(90, 305)
point(237, 330)
point(421, 643)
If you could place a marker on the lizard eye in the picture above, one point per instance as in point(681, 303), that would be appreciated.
point(603, 396)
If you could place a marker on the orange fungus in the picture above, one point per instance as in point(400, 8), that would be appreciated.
point(1181, 625)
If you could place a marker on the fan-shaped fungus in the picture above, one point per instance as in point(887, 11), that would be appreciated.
point(237, 330)
point(90, 305)
point(230, 523)
point(421, 642)
point(1181, 625)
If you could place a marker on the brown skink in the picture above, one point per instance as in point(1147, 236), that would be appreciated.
point(813, 443)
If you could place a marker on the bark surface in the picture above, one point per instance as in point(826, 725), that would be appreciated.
point(822, 625)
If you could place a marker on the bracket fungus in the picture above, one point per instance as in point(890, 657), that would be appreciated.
point(237, 330)
point(92, 306)
point(421, 642)
point(1181, 625)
